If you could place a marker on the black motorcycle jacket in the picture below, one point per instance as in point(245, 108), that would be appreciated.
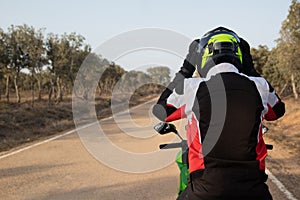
point(225, 111)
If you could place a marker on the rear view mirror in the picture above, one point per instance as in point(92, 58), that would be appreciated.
point(265, 129)
point(164, 128)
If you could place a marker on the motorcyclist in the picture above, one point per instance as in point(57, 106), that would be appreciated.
point(225, 109)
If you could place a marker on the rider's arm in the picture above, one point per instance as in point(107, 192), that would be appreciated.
point(163, 108)
point(276, 108)
point(179, 103)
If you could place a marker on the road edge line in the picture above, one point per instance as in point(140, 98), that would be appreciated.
point(280, 185)
point(65, 133)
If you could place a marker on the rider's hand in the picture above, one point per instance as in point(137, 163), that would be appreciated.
point(189, 63)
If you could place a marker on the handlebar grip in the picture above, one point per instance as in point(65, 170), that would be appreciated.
point(170, 145)
point(269, 146)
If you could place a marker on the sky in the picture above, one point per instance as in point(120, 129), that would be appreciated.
point(257, 21)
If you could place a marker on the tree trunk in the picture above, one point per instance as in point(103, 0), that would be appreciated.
point(294, 87)
point(59, 90)
point(100, 88)
point(71, 76)
point(0, 89)
point(86, 94)
point(52, 91)
point(7, 88)
point(32, 93)
point(39, 89)
point(282, 90)
point(17, 89)
point(49, 96)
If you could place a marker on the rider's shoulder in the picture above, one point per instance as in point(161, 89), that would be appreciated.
point(259, 81)
point(193, 81)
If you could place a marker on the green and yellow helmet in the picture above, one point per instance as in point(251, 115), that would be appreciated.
point(218, 46)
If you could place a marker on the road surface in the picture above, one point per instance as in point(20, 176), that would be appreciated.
point(63, 168)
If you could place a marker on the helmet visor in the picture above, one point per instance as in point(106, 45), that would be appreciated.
point(204, 40)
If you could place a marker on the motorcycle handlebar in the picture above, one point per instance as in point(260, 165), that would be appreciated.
point(269, 146)
point(170, 145)
point(179, 145)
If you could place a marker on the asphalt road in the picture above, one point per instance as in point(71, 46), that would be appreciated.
point(71, 166)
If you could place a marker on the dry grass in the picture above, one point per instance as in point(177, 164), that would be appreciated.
point(286, 131)
point(21, 124)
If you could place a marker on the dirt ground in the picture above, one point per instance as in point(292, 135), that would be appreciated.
point(284, 134)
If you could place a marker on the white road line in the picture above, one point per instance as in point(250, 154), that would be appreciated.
point(64, 134)
point(280, 186)
point(45, 141)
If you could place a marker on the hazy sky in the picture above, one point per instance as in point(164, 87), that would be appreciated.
point(258, 21)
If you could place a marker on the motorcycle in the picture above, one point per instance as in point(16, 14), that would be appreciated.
point(182, 156)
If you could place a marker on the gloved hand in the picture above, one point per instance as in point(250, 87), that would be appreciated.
point(189, 63)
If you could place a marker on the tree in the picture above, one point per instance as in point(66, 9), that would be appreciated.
point(260, 57)
point(77, 53)
point(31, 42)
point(53, 57)
point(94, 73)
point(273, 73)
point(16, 57)
point(289, 48)
point(159, 75)
point(111, 75)
point(132, 82)
point(65, 54)
point(4, 61)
